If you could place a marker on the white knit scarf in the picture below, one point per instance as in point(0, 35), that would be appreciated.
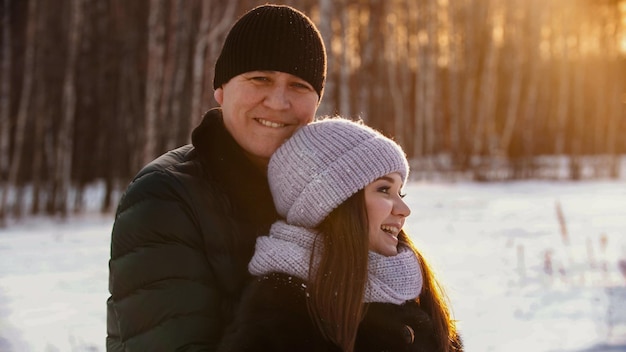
point(287, 250)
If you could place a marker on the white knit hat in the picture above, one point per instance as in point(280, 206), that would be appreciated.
point(326, 162)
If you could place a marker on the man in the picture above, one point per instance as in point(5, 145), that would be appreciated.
point(186, 226)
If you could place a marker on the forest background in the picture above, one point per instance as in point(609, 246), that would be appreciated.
point(91, 90)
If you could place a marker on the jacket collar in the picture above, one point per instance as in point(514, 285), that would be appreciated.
point(245, 184)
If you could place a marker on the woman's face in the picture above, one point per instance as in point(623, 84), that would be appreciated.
point(386, 213)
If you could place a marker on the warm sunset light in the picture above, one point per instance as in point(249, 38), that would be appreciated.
point(622, 10)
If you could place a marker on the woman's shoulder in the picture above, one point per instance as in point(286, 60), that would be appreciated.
point(286, 291)
point(273, 316)
point(396, 327)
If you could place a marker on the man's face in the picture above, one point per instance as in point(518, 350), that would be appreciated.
point(264, 108)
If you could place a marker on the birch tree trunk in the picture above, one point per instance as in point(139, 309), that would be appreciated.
point(154, 81)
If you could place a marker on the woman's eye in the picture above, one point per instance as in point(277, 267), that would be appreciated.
point(402, 195)
point(384, 189)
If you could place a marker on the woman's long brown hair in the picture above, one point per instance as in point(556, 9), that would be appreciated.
point(337, 284)
point(337, 280)
point(434, 301)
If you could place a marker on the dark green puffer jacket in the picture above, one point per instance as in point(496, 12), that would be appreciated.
point(183, 235)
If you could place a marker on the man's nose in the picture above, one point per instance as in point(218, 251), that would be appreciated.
point(277, 98)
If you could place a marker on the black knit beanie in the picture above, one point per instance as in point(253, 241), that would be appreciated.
point(273, 38)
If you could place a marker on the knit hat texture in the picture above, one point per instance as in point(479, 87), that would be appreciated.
point(273, 38)
point(326, 162)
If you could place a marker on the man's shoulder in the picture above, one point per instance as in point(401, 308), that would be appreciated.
point(168, 160)
point(175, 174)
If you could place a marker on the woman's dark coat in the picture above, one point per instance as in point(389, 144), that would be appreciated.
point(183, 235)
point(273, 316)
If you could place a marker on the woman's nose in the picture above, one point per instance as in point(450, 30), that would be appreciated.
point(401, 208)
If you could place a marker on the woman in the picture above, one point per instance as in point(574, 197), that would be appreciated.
point(338, 273)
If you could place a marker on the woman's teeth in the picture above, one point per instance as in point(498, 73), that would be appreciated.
point(390, 229)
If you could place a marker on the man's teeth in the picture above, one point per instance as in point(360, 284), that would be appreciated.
point(390, 229)
point(270, 123)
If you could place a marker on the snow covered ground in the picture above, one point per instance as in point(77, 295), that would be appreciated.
point(518, 281)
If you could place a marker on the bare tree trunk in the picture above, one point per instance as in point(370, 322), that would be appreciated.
point(22, 114)
point(529, 109)
point(344, 67)
point(578, 113)
point(212, 26)
point(180, 75)
point(367, 63)
point(108, 97)
point(40, 150)
point(515, 86)
point(615, 106)
point(154, 82)
point(474, 22)
point(129, 100)
point(5, 91)
point(398, 72)
point(454, 82)
point(376, 111)
point(600, 113)
point(578, 124)
point(612, 124)
point(65, 140)
point(170, 54)
point(430, 82)
point(488, 88)
point(327, 11)
point(223, 19)
point(603, 95)
point(421, 87)
point(563, 101)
